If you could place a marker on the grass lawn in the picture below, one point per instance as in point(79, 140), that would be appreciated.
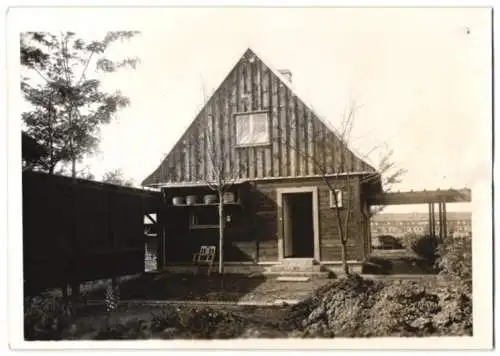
point(231, 288)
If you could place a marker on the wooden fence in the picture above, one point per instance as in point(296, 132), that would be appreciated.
point(81, 230)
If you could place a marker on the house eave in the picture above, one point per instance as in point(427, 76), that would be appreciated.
point(261, 179)
point(191, 184)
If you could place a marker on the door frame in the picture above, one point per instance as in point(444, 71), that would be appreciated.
point(281, 221)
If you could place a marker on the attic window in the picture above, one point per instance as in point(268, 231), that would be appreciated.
point(252, 129)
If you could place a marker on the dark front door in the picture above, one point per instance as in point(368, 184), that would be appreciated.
point(300, 225)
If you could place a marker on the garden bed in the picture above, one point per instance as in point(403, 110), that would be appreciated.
point(179, 322)
point(228, 288)
point(347, 307)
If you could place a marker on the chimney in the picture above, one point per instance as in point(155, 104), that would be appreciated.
point(287, 74)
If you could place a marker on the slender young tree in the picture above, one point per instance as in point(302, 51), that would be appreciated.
point(221, 176)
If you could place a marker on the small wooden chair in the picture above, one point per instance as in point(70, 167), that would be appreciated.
point(205, 257)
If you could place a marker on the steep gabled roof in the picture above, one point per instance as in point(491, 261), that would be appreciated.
point(294, 92)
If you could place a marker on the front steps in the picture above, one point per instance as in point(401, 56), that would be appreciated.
point(287, 267)
point(295, 265)
point(296, 269)
point(293, 279)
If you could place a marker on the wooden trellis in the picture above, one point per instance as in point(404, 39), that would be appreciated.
point(430, 197)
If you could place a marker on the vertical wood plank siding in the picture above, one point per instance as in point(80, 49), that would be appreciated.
point(253, 235)
point(275, 149)
point(267, 105)
point(294, 129)
point(267, 232)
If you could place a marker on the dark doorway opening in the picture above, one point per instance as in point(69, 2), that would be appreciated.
point(299, 227)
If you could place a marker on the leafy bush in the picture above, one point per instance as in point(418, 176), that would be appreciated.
point(45, 317)
point(132, 330)
point(455, 261)
point(455, 316)
point(167, 317)
point(426, 247)
point(408, 240)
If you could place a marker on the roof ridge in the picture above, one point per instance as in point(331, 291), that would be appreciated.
point(286, 82)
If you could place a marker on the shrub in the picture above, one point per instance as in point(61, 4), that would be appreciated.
point(426, 247)
point(408, 240)
point(455, 261)
point(167, 317)
point(45, 318)
point(455, 316)
point(132, 330)
point(112, 297)
point(204, 322)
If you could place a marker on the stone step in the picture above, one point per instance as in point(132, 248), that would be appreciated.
point(298, 262)
point(293, 268)
point(293, 279)
point(295, 274)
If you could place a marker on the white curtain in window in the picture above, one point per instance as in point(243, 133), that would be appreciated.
point(242, 129)
point(259, 128)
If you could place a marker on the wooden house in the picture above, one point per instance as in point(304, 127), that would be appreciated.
point(281, 154)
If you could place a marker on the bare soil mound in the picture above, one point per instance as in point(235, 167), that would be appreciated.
point(357, 307)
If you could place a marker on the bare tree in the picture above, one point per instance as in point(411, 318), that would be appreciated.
point(221, 176)
point(339, 141)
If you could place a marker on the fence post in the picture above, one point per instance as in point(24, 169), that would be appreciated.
point(445, 221)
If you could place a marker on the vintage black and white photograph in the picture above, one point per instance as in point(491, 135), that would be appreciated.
point(232, 174)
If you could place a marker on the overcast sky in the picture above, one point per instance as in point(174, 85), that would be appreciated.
point(422, 77)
